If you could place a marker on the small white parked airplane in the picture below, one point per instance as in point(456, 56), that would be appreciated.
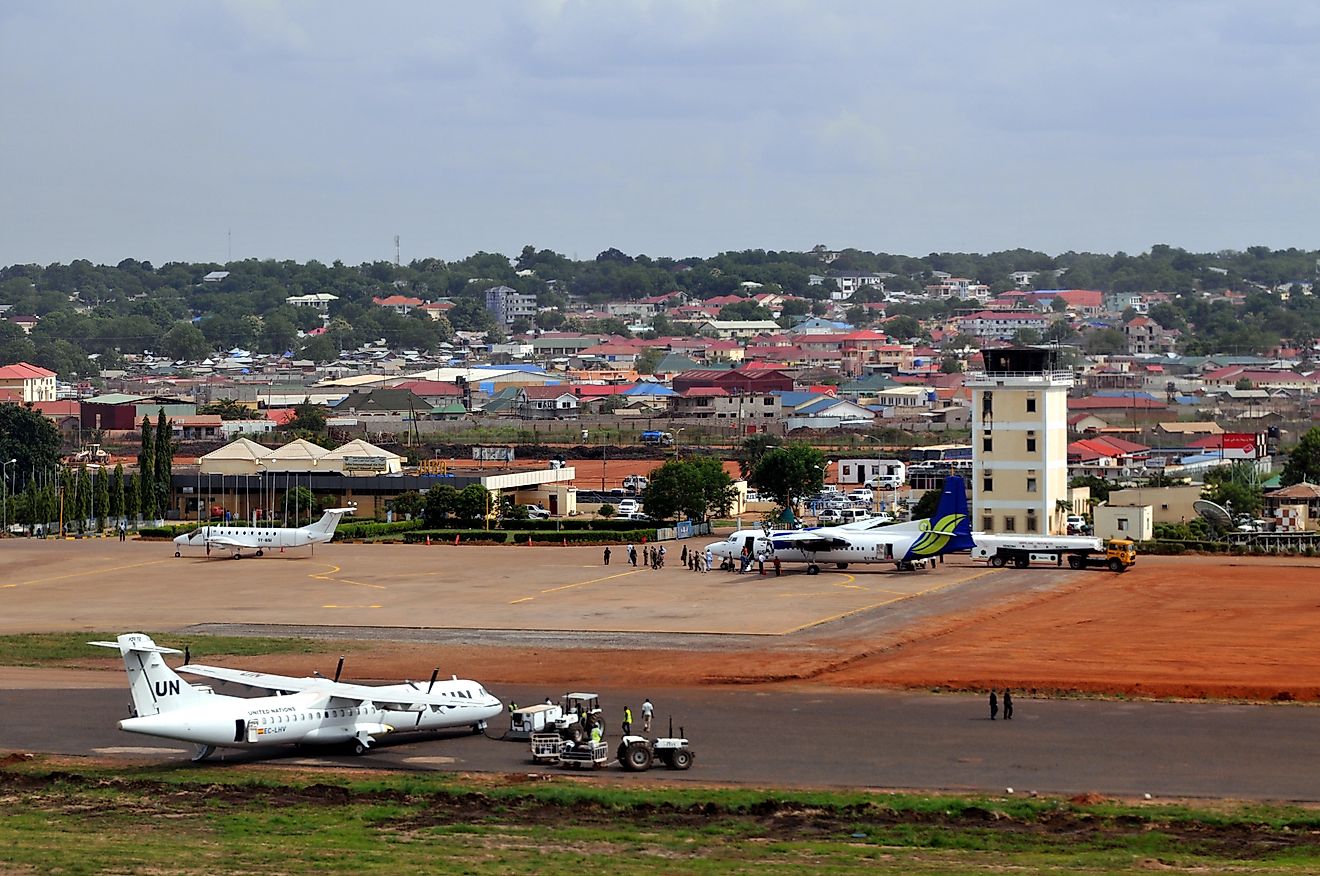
point(259, 539)
point(304, 710)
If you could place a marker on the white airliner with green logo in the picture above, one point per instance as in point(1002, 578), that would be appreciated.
point(903, 544)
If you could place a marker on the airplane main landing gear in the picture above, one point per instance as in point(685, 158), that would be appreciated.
point(813, 569)
point(202, 752)
point(177, 554)
point(259, 551)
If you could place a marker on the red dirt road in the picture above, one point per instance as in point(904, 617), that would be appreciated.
point(1172, 627)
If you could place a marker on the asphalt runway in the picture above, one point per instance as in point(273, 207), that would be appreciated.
point(812, 738)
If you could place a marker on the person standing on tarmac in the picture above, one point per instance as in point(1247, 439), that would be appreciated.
point(994, 705)
point(607, 555)
point(1008, 705)
point(627, 720)
point(647, 711)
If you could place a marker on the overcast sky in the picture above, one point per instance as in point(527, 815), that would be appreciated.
point(155, 130)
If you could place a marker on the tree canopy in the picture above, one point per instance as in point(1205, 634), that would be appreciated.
point(696, 487)
point(1303, 460)
point(29, 439)
point(789, 472)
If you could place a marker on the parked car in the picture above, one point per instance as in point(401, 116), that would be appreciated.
point(635, 483)
point(1077, 524)
point(753, 496)
point(536, 512)
point(634, 515)
point(862, 494)
point(829, 517)
point(628, 506)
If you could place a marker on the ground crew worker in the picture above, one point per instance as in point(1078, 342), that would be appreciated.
point(595, 734)
point(1008, 705)
point(994, 704)
point(627, 720)
point(647, 710)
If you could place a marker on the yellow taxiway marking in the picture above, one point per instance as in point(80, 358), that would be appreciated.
point(591, 581)
point(350, 606)
point(577, 584)
point(329, 576)
point(100, 570)
point(896, 598)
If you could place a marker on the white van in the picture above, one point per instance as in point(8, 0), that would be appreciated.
point(852, 515)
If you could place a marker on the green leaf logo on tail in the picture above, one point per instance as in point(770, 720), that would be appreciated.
point(935, 539)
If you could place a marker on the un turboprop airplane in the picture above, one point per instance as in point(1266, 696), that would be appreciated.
point(259, 539)
point(902, 544)
point(304, 710)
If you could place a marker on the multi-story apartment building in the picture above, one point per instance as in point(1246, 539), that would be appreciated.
point(1019, 442)
point(30, 382)
point(1000, 324)
point(507, 304)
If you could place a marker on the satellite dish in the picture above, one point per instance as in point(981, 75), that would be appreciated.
point(1216, 515)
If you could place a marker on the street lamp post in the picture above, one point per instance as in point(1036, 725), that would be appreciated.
point(4, 503)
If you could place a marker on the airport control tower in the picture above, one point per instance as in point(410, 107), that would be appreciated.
point(1019, 441)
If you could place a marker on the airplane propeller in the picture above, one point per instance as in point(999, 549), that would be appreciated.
point(435, 673)
point(339, 669)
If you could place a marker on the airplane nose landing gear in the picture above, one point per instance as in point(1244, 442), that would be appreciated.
point(202, 752)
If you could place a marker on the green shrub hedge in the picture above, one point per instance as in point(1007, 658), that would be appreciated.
point(566, 524)
point(501, 536)
point(373, 529)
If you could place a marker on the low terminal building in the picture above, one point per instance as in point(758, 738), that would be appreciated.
point(246, 480)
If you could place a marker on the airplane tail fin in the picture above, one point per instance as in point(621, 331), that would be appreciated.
point(953, 516)
point(329, 520)
point(155, 687)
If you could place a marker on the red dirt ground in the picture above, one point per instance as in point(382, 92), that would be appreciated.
point(1187, 627)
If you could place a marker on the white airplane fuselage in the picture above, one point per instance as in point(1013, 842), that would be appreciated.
point(307, 717)
point(232, 540)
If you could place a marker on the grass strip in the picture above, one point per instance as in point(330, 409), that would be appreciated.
point(39, 649)
point(172, 819)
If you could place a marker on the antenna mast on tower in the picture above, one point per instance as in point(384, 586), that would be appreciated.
point(396, 250)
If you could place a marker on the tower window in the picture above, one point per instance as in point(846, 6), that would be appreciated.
point(1031, 404)
point(1031, 521)
point(1031, 485)
point(988, 523)
point(1031, 444)
point(987, 484)
point(1010, 523)
point(987, 444)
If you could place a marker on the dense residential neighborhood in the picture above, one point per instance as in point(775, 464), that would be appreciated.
point(1178, 366)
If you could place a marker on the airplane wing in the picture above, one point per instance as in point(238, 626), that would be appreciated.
point(265, 680)
point(811, 539)
point(229, 541)
point(350, 693)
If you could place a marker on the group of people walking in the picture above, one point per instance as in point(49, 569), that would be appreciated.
point(1008, 704)
point(654, 557)
point(695, 560)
